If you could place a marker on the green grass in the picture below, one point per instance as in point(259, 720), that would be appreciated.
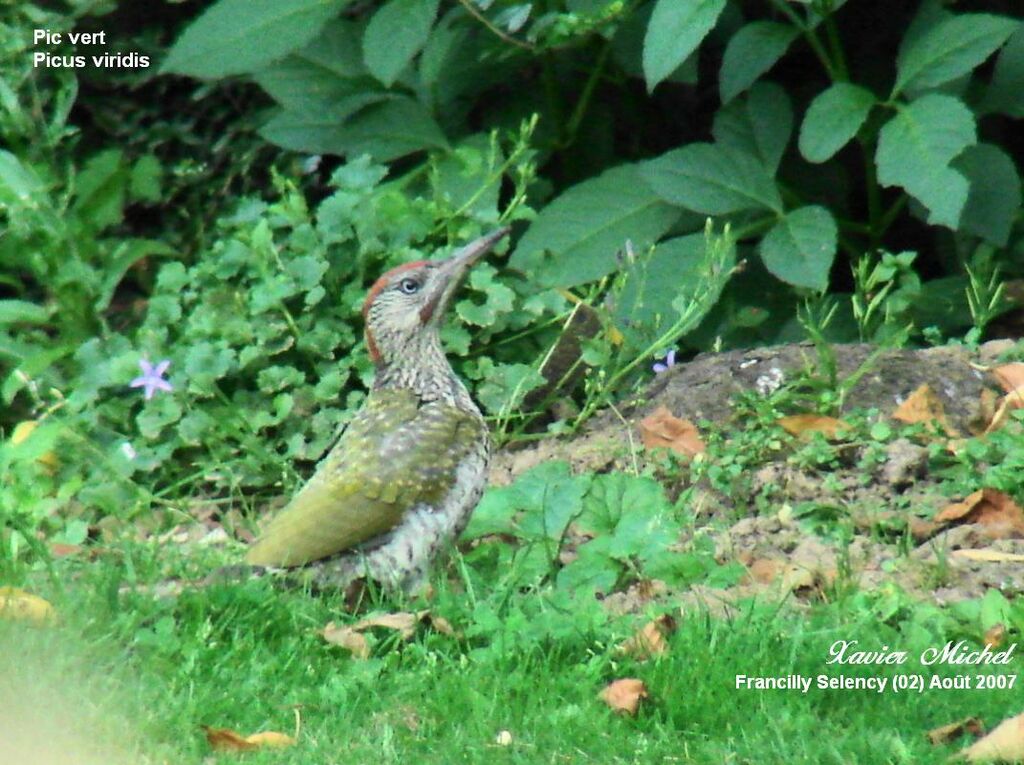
point(239, 655)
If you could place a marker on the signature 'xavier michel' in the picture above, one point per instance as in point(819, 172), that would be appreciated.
point(410, 467)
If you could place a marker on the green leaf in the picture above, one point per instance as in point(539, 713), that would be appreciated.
point(591, 221)
point(313, 130)
point(22, 312)
point(800, 248)
point(713, 180)
point(17, 182)
point(125, 255)
point(100, 189)
point(675, 30)
point(396, 33)
point(759, 124)
point(1005, 93)
point(751, 52)
point(145, 178)
point(995, 194)
point(236, 36)
point(916, 147)
point(833, 119)
point(951, 48)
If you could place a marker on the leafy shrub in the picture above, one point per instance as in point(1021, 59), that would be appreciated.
point(819, 150)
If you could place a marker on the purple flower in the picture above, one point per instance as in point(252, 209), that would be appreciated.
point(670, 361)
point(152, 378)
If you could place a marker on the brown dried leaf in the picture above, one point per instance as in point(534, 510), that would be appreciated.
point(946, 733)
point(650, 640)
point(661, 428)
point(404, 623)
point(226, 740)
point(19, 606)
point(346, 637)
point(624, 695)
point(995, 636)
point(923, 405)
point(270, 739)
point(1009, 402)
point(805, 425)
point(1005, 743)
point(1010, 376)
point(990, 508)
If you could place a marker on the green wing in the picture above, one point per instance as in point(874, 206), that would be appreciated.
point(393, 455)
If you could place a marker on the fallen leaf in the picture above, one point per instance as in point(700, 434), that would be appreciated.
point(993, 509)
point(661, 428)
point(988, 556)
point(271, 740)
point(350, 637)
point(1005, 742)
point(1009, 402)
point(805, 425)
point(924, 406)
point(226, 740)
point(62, 549)
point(345, 637)
point(624, 695)
point(946, 733)
point(1010, 376)
point(995, 636)
point(650, 640)
point(19, 606)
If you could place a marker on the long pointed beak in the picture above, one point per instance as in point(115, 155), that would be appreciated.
point(464, 257)
point(454, 268)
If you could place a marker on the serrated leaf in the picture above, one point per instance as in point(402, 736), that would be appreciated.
point(994, 198)
point(675, 30)
point(591, 221)
point(713, 180)
point(800, 248)
point(833, 119)
point(951, 48)
point(396, 33)
point(751, 52)
point(759, 124)
point(916, 147)
point(236, 36)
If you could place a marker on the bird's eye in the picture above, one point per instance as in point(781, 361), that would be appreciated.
point(409, 286)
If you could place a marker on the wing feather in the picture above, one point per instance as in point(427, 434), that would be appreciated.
point(394, 455)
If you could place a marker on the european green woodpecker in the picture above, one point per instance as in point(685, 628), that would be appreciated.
point(411, 465)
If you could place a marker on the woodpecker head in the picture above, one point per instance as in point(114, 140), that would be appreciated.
point(407, 304)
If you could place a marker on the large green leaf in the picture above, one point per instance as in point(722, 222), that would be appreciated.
point(713, 180)
point(800, 248)
point(589, 223)
point(915, 148)
point(1006, 91)
point(951, 48)
point(995, 195)
point(236, 36)
point(832, 119)
point(759, 124)
point(675, 30)
point(396, 33)
point(751, 52)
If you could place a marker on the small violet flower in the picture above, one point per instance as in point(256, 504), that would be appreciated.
point(670, 361)
point(152, 378)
